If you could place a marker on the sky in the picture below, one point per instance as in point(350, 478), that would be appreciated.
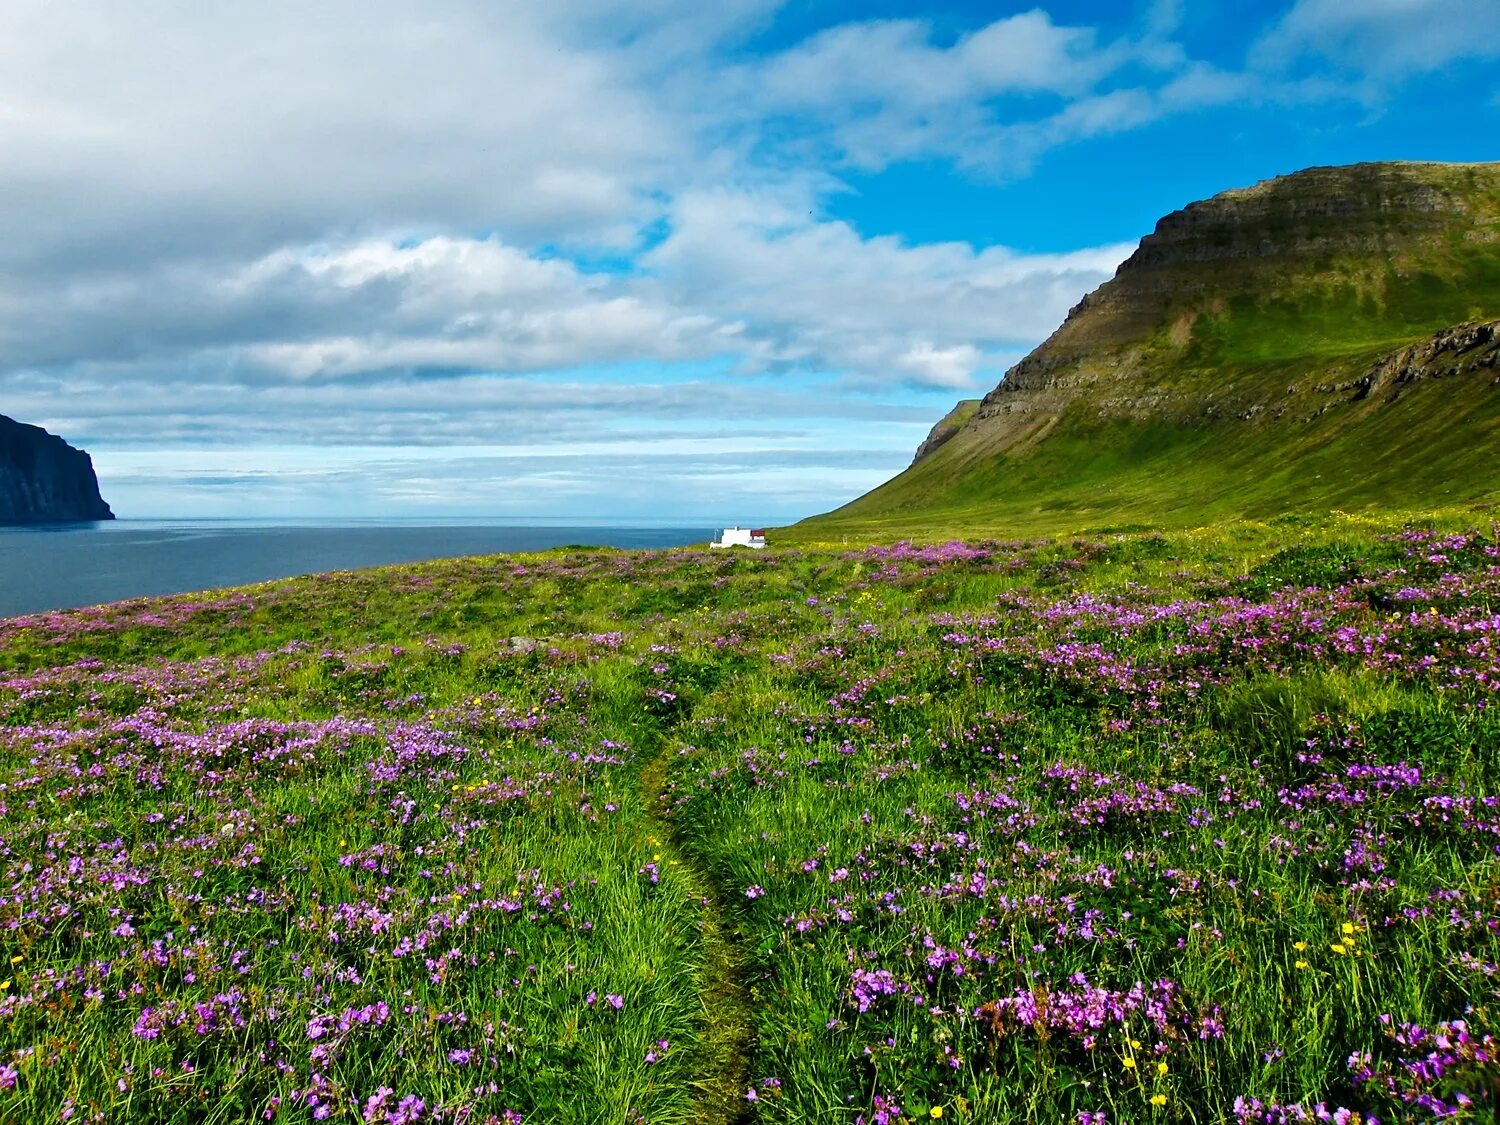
point(665, 260)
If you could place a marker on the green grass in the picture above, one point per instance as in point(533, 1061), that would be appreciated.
point(1421, 452)
point(821, 819)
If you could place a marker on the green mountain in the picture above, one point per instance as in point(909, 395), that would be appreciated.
point(1324, 340)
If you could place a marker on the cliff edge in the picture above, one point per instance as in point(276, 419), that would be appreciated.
point(43, 479)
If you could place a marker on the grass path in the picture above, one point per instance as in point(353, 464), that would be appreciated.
point(727, 1007)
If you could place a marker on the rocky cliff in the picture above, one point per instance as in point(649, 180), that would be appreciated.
point(1467, 350)
point(947, 426)
point(1311, 318)
point(43, 479)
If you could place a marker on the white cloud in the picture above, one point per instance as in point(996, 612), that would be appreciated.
point(880, 92)
point(462, 304)
point(940, 367)
point(745, 275)
point(134, 409)
point(161, 129)
point(367, 306)
point(817, 294)
point(893, 63)
point(770, 482)
point(248, 194)
point(1383, 41)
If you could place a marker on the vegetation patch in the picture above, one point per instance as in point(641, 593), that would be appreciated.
point(1131, 827)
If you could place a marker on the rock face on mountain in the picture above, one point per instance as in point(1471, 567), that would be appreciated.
point(1294, 267)
point(43, 479)
point(1254, 346)
point(1466, 350)
point(948, 425)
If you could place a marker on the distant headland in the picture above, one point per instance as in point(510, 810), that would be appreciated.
point(43, 479)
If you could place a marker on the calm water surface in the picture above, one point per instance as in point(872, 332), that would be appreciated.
point(71, 565)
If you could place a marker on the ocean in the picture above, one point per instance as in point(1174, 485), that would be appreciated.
point(70, 565)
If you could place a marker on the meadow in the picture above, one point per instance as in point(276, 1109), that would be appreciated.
point(1127, 827)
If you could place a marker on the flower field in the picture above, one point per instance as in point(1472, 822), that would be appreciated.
point(1132, 828)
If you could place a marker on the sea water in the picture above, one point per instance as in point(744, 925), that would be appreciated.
point(68, 565)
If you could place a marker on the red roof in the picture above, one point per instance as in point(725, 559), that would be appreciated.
point(757, 533)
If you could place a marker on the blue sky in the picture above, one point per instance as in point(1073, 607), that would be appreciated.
point(581, 259)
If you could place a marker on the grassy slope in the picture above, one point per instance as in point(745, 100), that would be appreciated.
point(1089, 474)
point(1252, 330)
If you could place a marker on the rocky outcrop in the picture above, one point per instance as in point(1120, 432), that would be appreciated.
point(948, 425)
point(1465, 349)
point(43, 479)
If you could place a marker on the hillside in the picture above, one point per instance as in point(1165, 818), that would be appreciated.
point(1320, 340)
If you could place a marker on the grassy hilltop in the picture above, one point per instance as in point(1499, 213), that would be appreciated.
point(1225, 371)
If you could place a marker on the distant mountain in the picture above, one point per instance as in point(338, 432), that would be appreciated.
point(1326, 339)
point(43, 479)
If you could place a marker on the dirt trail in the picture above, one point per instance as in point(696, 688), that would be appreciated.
point(727, 1007)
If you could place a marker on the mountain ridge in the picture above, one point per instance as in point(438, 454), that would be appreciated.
point(1235, 324)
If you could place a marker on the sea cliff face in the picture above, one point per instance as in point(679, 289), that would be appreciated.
point(43, 479)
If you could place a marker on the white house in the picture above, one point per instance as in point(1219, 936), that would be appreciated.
point(738, 536)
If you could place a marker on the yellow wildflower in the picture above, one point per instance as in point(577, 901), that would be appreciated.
point(935, 1112)
point(1299, 946)
point(1129, 1063)
point(1301, 964)
point(1340, 949)
point(4, 984)
point(1161, 1068)
point(1348, 927)
point(17, 960)
point(1158, 1099)
point(1135, 1044)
